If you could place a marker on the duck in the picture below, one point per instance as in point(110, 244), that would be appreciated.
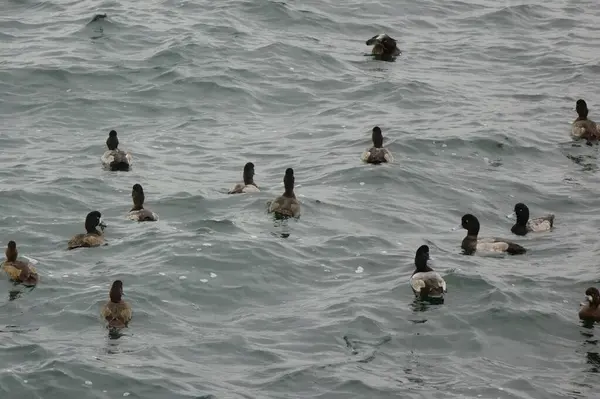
point(115, 159)
point(18, 271)
point(471, 243)
point(248, 186)
point(384, 47)
point(138, 212)
point(377, 154)
point(95, 232)
point(582, 126)
point(425, 282)
point(116, 312)
point(589, 309)
point(286, 205)
point(525, 225)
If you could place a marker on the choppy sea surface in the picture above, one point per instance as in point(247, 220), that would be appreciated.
point(476, 111)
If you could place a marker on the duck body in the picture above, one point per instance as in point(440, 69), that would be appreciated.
point(286, 205)
point(472, 244)
point(240, 188)
point(18, 271)
point(117, 160)
point(426, 283)
point(95, 233)
point(585, 129)
point(590, 308)
point(142, 215)
point(117, 315)
point(525, 225)
point(87, 240)
point(116, 312)
point(377, 156)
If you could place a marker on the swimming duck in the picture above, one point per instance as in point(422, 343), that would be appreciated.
point(116, 311)
point(471, 243)
point(525, 225)
point(377, 154)
point(425, 282)
point(589, 309)
point(95, 232)
point(18, 271)
point(384, 47)
point(115, 159)
point(248, 186)
point(582, 126)
point(286, 205)
point(138, 212)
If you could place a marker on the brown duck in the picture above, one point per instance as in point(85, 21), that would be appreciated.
point(18, 271)
point(138, 212)
point(116, 312)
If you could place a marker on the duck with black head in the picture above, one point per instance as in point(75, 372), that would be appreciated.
point(590, 309)
point(248, 186)
point(377, 154)
point(94, 236)
point(116, 312)
point(471, 243)
point(116, 159)
point(525, 225)
point(18, 271)
point(426, 283)
point(138, 212)
point(384, 47)
point(582, 126)
point(286, 205)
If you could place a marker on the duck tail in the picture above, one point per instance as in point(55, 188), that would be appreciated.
point(551, 220)
point(515, 249)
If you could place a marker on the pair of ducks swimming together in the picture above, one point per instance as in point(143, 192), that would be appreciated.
point(284, 206)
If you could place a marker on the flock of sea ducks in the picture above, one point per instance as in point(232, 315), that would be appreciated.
point(426, 283)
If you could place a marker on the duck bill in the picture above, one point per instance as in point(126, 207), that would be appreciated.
point(456, 227)
point(511, 215)
point(101, 225)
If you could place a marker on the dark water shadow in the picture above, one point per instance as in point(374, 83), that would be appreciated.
point(583, 154)
point(590, 344)
point(354, 344)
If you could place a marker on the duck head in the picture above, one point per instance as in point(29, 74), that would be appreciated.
point(288, 181)
point(249, 173)
point(116, 291)
point(377, 137)
point(581, 108)
point(470, 223)
point(522, 212)
point(11, 251)
point(421, 259)
point(112, 142)
point(137, 194)
point(383, 45)
point(94, 223)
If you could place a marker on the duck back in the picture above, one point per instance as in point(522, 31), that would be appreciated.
point(85, 241)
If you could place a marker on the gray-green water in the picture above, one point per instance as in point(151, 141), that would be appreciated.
point(476, 112)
